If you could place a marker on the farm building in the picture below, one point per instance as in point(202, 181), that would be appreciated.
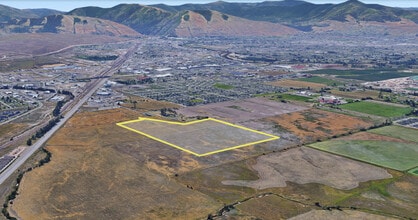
point(329, 100)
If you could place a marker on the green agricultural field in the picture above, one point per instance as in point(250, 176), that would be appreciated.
point(378, 109)
point(394, 155)
point(407, 134)
point(197, 100)
point(293, 97)
point(222, 86)
point(318, 79)
point(414, 171)
point(365, 75)
point(284, 96)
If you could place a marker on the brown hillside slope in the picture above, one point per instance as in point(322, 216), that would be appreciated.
point(65, 24)
point(95, 26)
point(351, 25)
point(194, 24)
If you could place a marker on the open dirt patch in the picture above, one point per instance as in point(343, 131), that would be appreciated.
point(9, 130)
point(145, 104)
point(305, 165)
point(271, 207)
point(341, 215)
point(357, 94)
point(242, 110)
point(313, 124)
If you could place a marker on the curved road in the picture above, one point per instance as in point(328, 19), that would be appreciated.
point(90, 89)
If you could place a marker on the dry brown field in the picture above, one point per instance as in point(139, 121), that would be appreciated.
point(99, 170)
point(304, 165)
point(145, 104)
point(298, 84)
point(341, 215)
point(313, 124)
point(92, 175)
point(383, 196)
point(99, 166)
point(200, 137)
point(11, 129)
point(36, 44)
point(356, 94)
point(239, 111)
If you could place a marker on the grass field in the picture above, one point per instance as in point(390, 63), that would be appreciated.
point(407, 134)
point(414, 171)
point(378, 109)
point(284, 96)
point(293, 97)
point(298, 84)
point(322, 80)
point(394, 155)
point(222, 86)
point(365, 75)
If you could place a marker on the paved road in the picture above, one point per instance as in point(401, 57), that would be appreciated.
point(84, 97)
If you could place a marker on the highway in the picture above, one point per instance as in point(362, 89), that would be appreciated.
point(79, 101)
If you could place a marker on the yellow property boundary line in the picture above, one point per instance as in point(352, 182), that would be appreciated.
point(123, 125)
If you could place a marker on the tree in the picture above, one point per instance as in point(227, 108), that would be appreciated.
point(29, 142)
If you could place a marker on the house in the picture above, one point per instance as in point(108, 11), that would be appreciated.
point(329, 100)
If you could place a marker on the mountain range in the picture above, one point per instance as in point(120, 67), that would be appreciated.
point(269, 18)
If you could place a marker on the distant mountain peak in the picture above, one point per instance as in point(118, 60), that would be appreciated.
point(164, 20)
point(357, 2)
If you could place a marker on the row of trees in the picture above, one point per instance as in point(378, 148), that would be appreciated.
point(33, 88)
point(57, 110)
point(67, 93)
point(41, 132)
point(56, 113)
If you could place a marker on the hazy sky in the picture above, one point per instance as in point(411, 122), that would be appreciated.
point(67, 5)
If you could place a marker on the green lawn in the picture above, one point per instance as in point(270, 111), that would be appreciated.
point(196, 100)
point(408, 134)
point(378, 109)
point(284, 96)
point(293, 97)
point(322, 80)
point(394, 155)
point(414, 171)
point(222, 86)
